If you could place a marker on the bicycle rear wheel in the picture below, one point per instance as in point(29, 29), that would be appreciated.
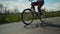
point(43, 16)
point(27, 16)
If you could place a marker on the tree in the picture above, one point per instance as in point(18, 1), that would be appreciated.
point(3, 14)
point(16, 10)
point(1, 7)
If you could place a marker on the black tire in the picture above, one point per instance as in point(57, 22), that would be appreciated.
point(44, 16)
point(28, 14)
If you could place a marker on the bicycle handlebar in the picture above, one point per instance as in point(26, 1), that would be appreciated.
point(31, 0)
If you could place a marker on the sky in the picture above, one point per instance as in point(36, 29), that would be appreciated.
point(23, 4)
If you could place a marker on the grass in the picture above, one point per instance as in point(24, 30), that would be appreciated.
point(16, 17)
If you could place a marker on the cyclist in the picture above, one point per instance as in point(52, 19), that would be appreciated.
point(38, 3)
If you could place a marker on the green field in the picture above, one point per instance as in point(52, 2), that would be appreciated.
point(16, 17)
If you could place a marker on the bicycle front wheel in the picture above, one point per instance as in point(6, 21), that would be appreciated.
point(27, 16)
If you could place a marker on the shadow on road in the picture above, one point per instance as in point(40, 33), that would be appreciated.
point(48, 25)
point(32, 26)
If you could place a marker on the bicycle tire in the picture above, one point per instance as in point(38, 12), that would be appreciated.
point(43, 20)
point(31, 18)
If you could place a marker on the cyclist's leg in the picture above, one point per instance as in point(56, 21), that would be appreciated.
point(39, 7)
point(33, 4)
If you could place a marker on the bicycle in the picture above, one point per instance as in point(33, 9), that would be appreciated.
point(28, 15)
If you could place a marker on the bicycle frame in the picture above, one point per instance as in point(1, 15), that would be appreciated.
point(36, 13)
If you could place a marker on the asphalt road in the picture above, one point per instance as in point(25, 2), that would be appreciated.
point(18, 28)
